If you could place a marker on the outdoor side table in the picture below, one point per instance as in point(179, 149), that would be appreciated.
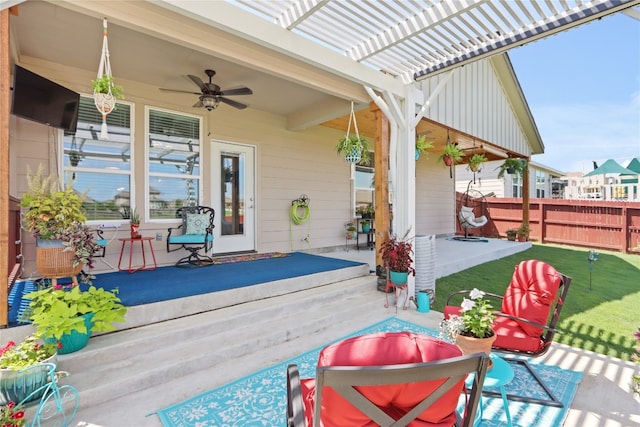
point(131, 242)
point(500, 374)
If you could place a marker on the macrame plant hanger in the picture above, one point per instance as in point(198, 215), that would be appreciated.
point(356, 155)
point(105, 102)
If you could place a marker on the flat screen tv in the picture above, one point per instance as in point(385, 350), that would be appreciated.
point(43, 101)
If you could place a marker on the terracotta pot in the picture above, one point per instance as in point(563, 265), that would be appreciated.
point(471, 345)
point(134, 231)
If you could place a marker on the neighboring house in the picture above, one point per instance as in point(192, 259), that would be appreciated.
point(609, 181)
point(250, 164)
point(543, 181)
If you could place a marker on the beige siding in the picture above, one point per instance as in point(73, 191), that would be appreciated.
point(288, 164)
point(474, 102)
point(435, 198)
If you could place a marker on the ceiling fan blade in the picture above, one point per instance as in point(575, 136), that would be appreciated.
point(198, 82)
point(198, 104)
point(233, 103)
point(238, 91)
point(180, 91)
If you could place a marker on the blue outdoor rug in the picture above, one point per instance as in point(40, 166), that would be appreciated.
point(167, 283)
point(260, 399)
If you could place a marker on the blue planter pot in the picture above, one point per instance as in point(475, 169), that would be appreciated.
point(75, 340)
point(15, 386)
point(398, 278)
point(366, 228)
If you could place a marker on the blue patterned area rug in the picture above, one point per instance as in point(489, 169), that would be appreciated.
point(260, 399)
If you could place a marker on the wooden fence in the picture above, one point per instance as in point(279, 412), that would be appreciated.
point(606, 225)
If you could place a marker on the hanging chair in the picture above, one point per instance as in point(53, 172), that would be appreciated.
point(472, 213)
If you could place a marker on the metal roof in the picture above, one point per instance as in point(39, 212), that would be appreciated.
point(611, 167)
point(414, 39)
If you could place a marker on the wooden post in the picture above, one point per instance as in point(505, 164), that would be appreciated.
point(5, 93)
point(381, 179)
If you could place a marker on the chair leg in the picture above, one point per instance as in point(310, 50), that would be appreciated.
point(194, 259)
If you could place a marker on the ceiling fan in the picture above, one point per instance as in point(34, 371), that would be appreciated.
point(211, 95)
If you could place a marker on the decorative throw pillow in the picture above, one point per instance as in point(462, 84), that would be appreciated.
point(197, 223)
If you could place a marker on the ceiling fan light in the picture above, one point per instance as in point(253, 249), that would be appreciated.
point(210, 102)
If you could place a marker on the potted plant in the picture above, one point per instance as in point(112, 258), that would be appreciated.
point(106, 82)
point(12, 415)
point(472, 330)
point(422, 145)
point(511, 234)
point(366, 225)
point(352, 232)
point(355, 149)
point(523, 232)
point(15, 385)
point(56, 219)
point(476, 161)
point(397, 257)
point(451, 154)
point(512, 166)
point(68, 315)
point(134, 222)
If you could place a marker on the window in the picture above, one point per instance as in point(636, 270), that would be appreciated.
point(173, 162)
point(365, 185)
point(100, 168)
point(541, 183)
point(516, 182)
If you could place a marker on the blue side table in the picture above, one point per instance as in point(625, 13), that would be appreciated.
point(499, 375)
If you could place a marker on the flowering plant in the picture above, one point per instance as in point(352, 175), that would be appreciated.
point(12, 415)
point(475, 320)
point(396, 254)
point(29, 352)
point(635, 379)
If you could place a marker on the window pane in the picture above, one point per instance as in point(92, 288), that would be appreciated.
point(168, 194)
point(101, 167)
point(173, 153)
point(107, 197)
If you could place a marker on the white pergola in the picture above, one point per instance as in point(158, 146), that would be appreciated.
point(413, 39)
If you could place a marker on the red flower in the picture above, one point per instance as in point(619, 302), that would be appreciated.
point(18, 415)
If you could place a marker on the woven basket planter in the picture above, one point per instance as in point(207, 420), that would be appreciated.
point(54, 263)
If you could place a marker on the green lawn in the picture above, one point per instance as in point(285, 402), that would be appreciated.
point(599, 315)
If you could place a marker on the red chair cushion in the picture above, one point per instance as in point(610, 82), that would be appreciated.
point(532, 290)
point(510, 336)
point(396, 400)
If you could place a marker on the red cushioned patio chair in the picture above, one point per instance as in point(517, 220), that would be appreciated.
point(529, 312)
point(386, 379)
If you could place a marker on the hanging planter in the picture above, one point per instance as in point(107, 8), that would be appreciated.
point(512, 166)
point(105, 91)
point(451, 155)
point(476, 161)
point(354, 147)
point(422, 145)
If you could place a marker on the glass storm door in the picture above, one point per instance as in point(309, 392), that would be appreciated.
point(233, 197)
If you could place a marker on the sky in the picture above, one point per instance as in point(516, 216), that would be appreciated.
point(583, 90)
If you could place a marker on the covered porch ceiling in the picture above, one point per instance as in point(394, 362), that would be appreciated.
point(385, 43)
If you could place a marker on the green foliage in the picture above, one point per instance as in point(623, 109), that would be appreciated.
point(347, 146)
point(134, 218)
point(601, 317)
point(102, 84)
point(51, 209)
point(56, 311)
point(512, 166)
point(476, 160)
point(422, 144)
point(523, 230)
point(453, 151)
point(29, 352)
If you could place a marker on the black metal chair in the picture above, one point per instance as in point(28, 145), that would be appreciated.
point(195, 234)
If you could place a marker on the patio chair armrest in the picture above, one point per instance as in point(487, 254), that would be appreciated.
point(529, 322)
point(295, 403)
